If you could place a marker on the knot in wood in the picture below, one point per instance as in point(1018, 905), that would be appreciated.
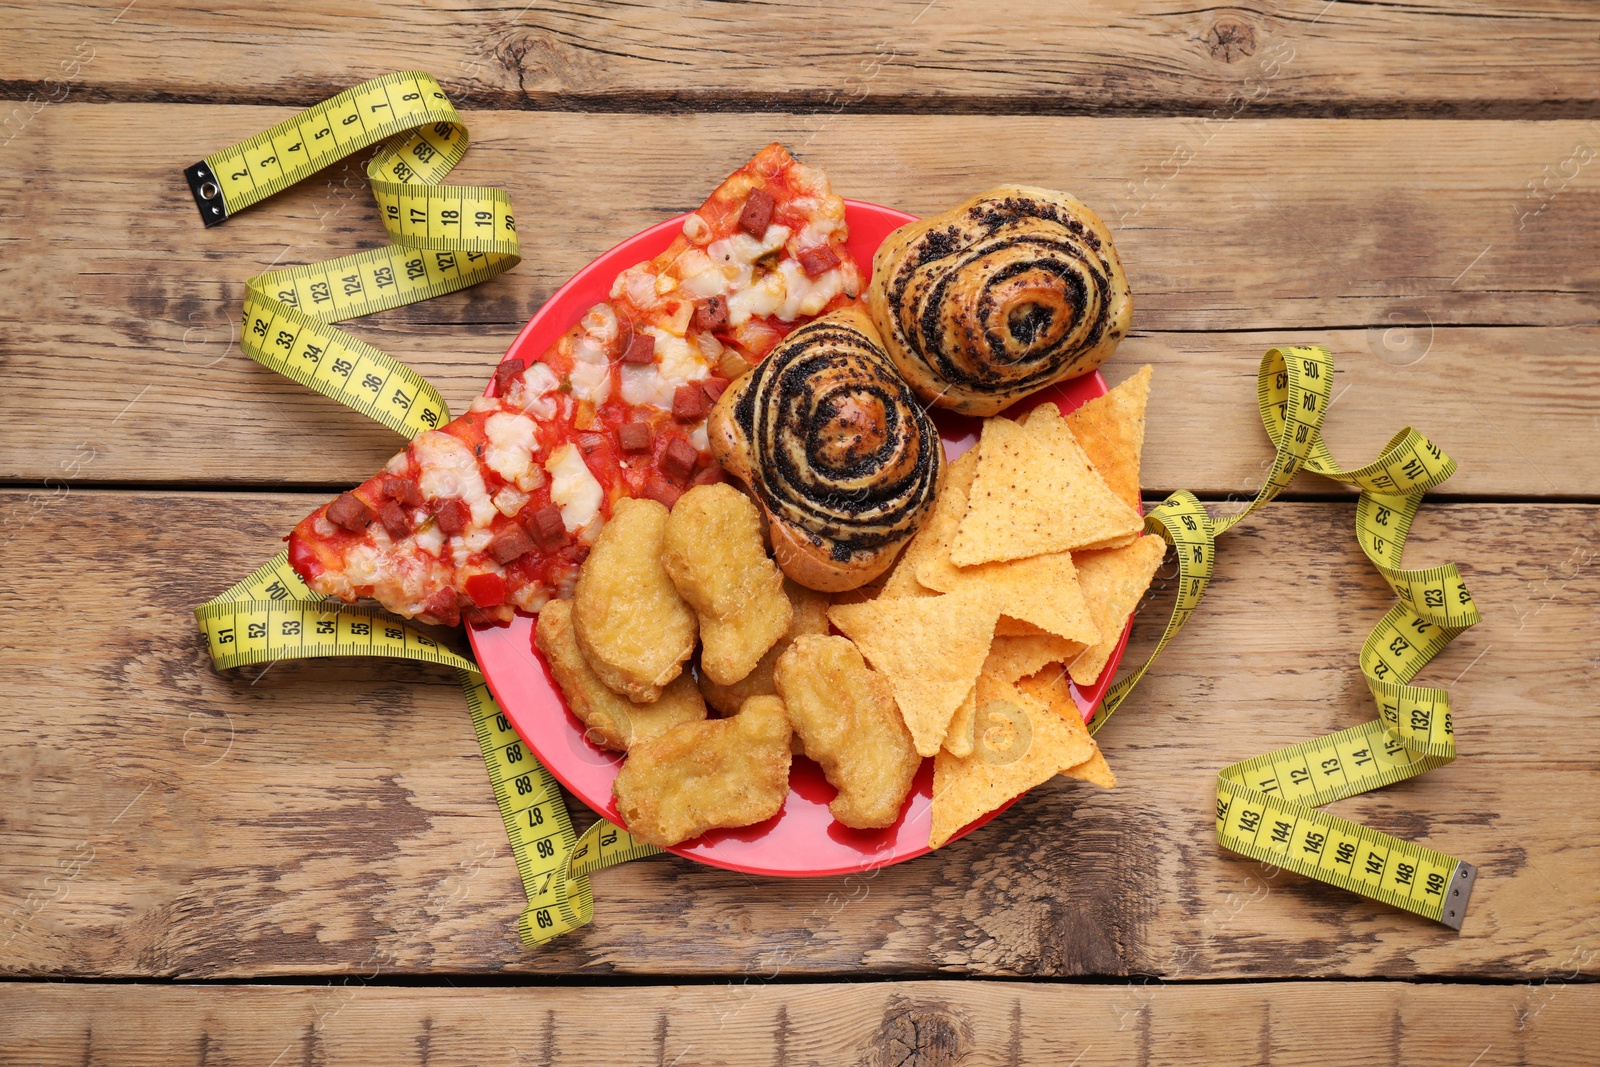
point(920, 1033)
point(1229, 39)
point(533, 58)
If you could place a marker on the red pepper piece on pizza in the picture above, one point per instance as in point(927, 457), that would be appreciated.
point(497, 509)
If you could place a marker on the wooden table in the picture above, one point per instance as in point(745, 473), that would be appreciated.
point(305, 865)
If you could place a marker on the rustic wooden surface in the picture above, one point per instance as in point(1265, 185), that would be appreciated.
point(1436, 57)
point(880, 1025)
point(333, 817)
point(1413, 185)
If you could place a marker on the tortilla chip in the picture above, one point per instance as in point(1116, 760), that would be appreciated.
point(1110, 542)
point(901, 582)
point(1042, 590)
point(1110, 429)
point(1011, 658)
point(958, 739)
point(1035, 492)
point(1050, 687)
point(933, 540)
point(871, 591)
point(1113, 580)
point(966, 788)
point(1093, 770)
point(930, 648)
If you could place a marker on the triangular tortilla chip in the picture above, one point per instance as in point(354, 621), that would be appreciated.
point(1110, 429)
point(1035, 492)
point(1011, 658)
point(958, 739)
point(933, 540)
point(965, 788)
point(1042, 590)
point(1093, 770)
point(930, 648)
point(1051, 687)
point(1113, 580)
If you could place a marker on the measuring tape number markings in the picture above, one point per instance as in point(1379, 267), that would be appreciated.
point(445, 238)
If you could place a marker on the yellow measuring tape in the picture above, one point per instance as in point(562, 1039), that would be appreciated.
point(1267, 807)
point(446, 238)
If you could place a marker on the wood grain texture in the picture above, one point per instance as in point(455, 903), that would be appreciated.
point(1503, 57)
point(334, 818)
point(904, 1024)
point(1411, 248)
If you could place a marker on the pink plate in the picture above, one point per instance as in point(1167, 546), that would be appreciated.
point(802, 840)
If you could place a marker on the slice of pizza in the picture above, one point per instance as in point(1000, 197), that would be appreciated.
point(496, 510)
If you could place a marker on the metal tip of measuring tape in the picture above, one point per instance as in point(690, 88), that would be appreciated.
point(1458, 894)
point(207, 193)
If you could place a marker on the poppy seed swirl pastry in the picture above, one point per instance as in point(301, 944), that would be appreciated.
point(999, 297)
point(835, 448)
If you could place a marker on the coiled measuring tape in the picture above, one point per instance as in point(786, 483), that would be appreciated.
point(446, 238)
point(1267, 807)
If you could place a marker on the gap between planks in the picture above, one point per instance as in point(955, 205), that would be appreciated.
point(689, 102)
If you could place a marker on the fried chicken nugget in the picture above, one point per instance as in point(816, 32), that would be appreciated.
point(845, 714)
point(702, 775)
point(714, 553)
point(613, 722)
point(810, 617)
point(634, 628)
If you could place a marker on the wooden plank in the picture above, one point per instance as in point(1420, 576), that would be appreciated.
point(1420, 277)
point(333, 817)
point(912, 1024)
point(1503, 58)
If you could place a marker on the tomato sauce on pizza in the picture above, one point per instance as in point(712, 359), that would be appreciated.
point(496, 510)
